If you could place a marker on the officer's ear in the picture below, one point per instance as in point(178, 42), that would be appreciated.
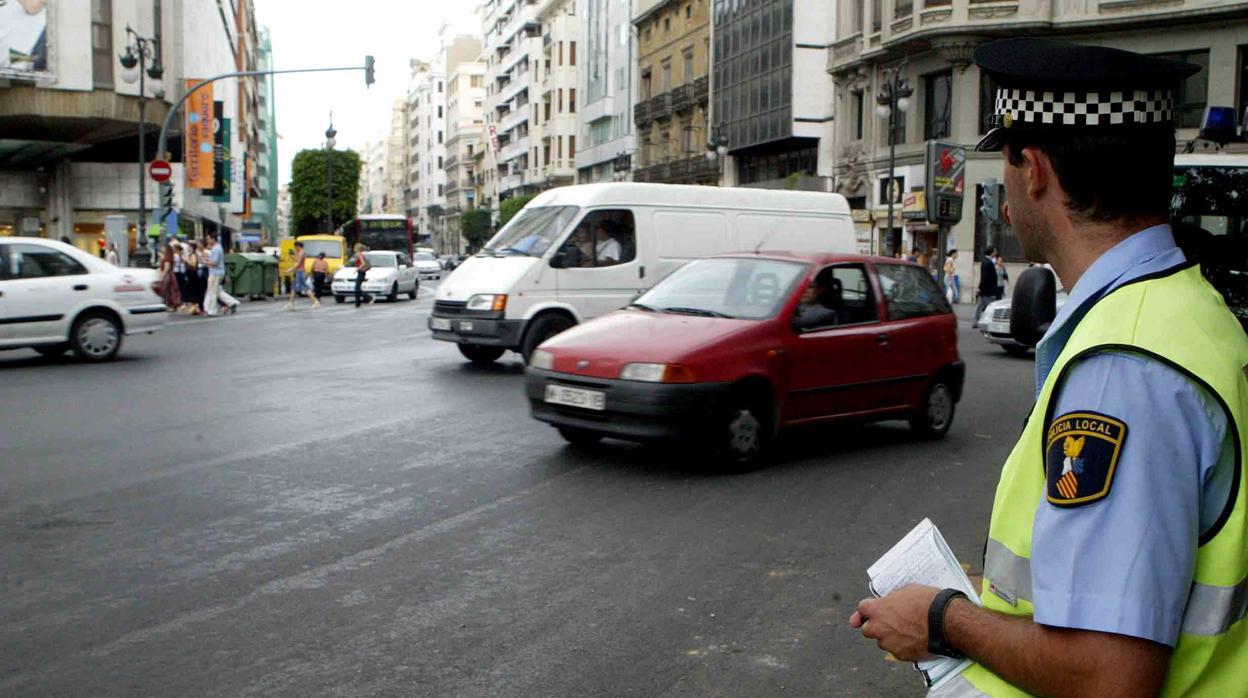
point(1038, 172)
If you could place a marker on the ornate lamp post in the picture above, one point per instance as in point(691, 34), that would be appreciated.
point(330, 142)
point(892, 100)
point(717, 147)
point(140, 62)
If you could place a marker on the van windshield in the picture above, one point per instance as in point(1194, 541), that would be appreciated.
point(748, 288)
point(531, 232)
point(331, 248)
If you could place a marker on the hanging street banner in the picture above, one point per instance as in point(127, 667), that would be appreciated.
point(197, 146)
point(220, 190)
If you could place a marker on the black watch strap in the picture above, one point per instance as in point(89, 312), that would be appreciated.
point(936, 641)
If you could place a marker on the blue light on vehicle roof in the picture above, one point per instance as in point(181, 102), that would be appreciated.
point(1219, 119)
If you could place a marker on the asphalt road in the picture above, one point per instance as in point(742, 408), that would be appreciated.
point(330, 503)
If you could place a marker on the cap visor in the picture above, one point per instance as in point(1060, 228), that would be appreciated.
point(992, 142)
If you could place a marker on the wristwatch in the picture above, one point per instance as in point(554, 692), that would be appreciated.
point(936, 641)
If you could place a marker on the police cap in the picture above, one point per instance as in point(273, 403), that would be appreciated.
point(1058, 87)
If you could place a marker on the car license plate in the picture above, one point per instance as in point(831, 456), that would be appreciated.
point(442, 324)
point(575, 397)
point(465, 326)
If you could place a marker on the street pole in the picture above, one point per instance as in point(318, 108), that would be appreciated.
point(142, 159)
point(893, 98)
point(892, 156)
point(134, 63)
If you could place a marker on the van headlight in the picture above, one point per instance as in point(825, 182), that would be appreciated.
point(542, 359)
point(488, 301)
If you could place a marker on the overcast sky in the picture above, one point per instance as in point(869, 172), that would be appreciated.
point(325, 33)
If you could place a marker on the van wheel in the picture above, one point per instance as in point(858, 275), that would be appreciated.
point(935, 414)
point(742, 434)
point(480, 355)
point(542, 329)
point(579, 437)
point(340, 299)
point(96, 336)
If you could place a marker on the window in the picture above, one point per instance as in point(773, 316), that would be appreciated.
point(1243, 83)
point(645, 85)
point(470, 146)
point(1193, 93)
point(571, 53)
point(439, 112)
point(547, 117)
point(474, 81)
point(688, 58)
point(987, 100)
point(102, 43)
point(559, 53)
point(439, 86)
point(877, 11)
point(559, 147)
point(572, 100)
point(667, 77)
point(559, 103)
point(937, 100)
point(439, 162)
point(37, 262)
point(839, 295)
point(604, 238)
point(858, 106)
point(439, 136)
point(910, 292)
point(667, 24)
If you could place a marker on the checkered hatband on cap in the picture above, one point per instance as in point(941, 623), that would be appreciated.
point(1097, 108)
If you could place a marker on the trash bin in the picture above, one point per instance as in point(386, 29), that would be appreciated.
point(246, 272)
point(271, 277)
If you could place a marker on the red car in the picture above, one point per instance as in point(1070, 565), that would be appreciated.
point(734, 348)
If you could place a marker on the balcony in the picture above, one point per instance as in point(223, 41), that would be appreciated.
point(451, 162)
point(518, 85)
point(682, 99)
point(514, 118)
point(514, 150)
point(510, 183)
point(695, 169)
point(702, 89)
point(661, 107)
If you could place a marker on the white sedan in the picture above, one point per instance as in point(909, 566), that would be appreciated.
point(54, 297)
point(392, 273)
point(428, 266)
point(995, 325)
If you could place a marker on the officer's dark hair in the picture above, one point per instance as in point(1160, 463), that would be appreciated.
point(1125, 176)
point(990, 250)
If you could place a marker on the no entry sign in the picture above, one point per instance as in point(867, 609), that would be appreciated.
point(160, 170)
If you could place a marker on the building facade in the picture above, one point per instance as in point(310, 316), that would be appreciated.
point(70, 119)
point(264, 205)
point(395, 197)
point(607, 89)
point(931, 45)
point(772, 95)
point(672, 108)
point(426, 150)
point(465, 125)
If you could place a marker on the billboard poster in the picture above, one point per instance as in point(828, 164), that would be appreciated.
point(24, 39)
point(198, 139)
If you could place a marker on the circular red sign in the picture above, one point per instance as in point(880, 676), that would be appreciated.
point(160, 170)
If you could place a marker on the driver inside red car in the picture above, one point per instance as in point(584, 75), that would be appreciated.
point(821, 304)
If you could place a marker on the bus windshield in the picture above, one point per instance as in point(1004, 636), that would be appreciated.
point(331, 248)
point(1209, 213)
point(380, 234)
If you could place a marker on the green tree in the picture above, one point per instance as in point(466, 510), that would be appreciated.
point(475, 226)
point(510, 207)
point(309, 186)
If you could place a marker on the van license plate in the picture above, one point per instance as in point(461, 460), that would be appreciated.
point(465, 326)
point(575, 397)
point(442, 324)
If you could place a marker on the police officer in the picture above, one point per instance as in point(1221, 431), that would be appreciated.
point(1117, 551)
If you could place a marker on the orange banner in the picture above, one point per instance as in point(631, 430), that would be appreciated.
point(198, 139)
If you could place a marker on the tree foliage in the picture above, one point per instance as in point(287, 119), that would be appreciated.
point(475, 226)
point(510, 207)
point(309, 185)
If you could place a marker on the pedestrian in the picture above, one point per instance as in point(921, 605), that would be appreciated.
point(194, 296)
point(205, 261)
point(300, 286)
point(320, 272)
point(1117, 552)
point(1003, 277)
point(215, 295)
point(111, 255)
point(951, 276)
point(362, 265)
point(170, 291)
point(988, 291)
point(180, 274)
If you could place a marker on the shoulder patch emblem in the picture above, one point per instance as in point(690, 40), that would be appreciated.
point(1081, 452)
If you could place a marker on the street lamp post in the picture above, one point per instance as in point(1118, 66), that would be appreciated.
point(717, 147)
point(893, 99)
point(140, 61)
point(329, 174)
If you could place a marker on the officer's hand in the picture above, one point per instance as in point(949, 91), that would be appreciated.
point(897, 622)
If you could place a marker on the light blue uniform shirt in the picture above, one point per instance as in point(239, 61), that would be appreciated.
point(1124, 564)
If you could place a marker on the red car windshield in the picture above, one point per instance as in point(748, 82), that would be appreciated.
point(737, 287)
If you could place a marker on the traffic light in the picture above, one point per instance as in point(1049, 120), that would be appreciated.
point(166, 200)
point(368, 71)
point(990, 201)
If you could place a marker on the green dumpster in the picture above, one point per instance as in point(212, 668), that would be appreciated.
point(271, 278)
point(246, 271)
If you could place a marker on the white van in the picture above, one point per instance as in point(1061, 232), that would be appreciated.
point(576, 252)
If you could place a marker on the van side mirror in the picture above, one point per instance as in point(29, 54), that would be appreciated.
point(558, 260)
point(1033, 305)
